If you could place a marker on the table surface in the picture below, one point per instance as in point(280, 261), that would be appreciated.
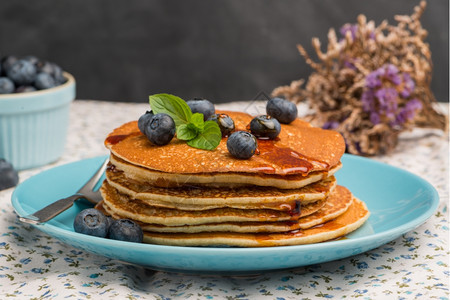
point(414, 266)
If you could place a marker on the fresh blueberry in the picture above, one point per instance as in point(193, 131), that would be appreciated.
point(265, 126)
point(8, 175)
point(22, 72)
point(44, 81)
point(6, 85)
point(126, 230)
point(226, 124)
point(25, 89)
point(32, 59)
point(58, 74)
point(7, 62)
point(202, 106)
point(144, 119)
point(160, 130)
point(91, 221)
point(242, 144)
point(282, 110)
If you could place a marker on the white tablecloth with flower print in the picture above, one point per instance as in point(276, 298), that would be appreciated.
point(414, 266)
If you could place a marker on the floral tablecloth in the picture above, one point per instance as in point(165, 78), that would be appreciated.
point(414, 266)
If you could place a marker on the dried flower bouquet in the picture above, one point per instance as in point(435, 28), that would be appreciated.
point(371, 84)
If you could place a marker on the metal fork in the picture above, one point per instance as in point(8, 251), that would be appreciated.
point(85, 192)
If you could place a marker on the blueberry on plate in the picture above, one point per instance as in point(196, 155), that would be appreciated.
point(126, 230)
point(282, 110)
point(144, 119)
point(8, 175)
point(44, 81)
point(265, 126)
point(160, 130)
point(202, 106)
point(6, 85)
point(226, 124)
point(242, 144)
point(91, 221)
point(22, 72)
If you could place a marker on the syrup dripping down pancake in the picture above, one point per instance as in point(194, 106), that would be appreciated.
point(350, 220)
point(299, 149)
point(337, 203)
point(203, 198)
point(162, 179)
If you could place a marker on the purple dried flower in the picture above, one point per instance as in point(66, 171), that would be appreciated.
point(386, 89)
point(330, 125)
point(352, 28)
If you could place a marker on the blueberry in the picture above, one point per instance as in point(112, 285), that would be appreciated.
point(32, 59)
point(144, 119)
point(7, 62)
point(265, 126)
point(202, 106)
point(8, 175)
point(126, 230)
point(282, 110)
point(6, 85)
point(160, 130)
point(91, 221)
point(25, 89)
point(226, 124)
point(22, 72)
point(44, 81)
point(58, 74)
point(242, 144)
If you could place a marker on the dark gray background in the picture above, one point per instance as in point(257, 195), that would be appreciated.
point(220, 50)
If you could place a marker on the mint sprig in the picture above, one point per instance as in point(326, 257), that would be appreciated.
point(189, 127)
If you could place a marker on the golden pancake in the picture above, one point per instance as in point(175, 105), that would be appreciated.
point(299, 149)
point(119, 204)
point(336, 204)
point(162, 179)
point(347, 222)
point(197, 198)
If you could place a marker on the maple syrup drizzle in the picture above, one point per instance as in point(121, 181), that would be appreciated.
point(290, 161)
point(115, 139)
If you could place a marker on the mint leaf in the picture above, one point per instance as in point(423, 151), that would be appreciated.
point(172, 105)
point(197, 121)
point(209, 139)
point(187, 132)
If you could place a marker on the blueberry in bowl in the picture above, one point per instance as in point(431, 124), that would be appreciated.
point(203, 106)
point(36, 105)
point(242, 144)
point(282, 110)
point(265, 126)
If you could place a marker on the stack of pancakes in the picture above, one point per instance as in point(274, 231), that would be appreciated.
point(286, 194)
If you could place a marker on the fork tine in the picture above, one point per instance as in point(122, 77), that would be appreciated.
point(89, 186)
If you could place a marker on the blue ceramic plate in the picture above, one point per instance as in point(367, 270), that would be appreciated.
point(398, 201)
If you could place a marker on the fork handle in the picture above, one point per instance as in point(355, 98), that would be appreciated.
point(51, 210)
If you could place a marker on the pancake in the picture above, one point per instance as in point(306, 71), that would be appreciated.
point(198, 198)
point(347, 222)
point(162, 179)
point(120, 204)
point(299, 149)
point(336, 204)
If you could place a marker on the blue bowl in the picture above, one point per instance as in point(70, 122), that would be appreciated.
point(33, 126)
